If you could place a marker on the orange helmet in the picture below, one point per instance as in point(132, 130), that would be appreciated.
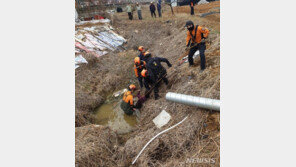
point(144, 73)
point(141, 48)
point(132, 87)
point(137, 60)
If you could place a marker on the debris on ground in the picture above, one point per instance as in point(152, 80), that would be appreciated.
point(162, 119)
point(119, 93)
point(98, 37)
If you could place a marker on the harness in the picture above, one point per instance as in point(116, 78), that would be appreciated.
point(194, 37)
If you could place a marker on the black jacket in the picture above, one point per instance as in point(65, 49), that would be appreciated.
point(155, 68)
point(152, 8)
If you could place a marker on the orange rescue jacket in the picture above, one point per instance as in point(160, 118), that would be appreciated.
point(139, 68)
point(128, 98)
point(199, 32)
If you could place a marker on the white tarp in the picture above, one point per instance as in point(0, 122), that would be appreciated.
point(79, 60)
point(120, 92)
point(76, 15)
point(110, 38)
point(98, 38)
point(174, 3)
point(99, 44)
point(162, 119)
point(95, 42)
point(94, 21)
point(202, 2)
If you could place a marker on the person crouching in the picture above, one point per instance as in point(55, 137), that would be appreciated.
point(127, 104)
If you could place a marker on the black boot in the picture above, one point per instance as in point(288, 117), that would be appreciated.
point(166, 81)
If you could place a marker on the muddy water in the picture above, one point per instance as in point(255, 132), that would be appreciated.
point(113, 116)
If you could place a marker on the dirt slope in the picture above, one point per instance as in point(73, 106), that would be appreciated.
point(197, 137)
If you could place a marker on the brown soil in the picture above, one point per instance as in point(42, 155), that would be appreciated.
point(197, 137)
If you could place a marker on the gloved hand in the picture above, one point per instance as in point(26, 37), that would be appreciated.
point(203, 40)
point(187, 49)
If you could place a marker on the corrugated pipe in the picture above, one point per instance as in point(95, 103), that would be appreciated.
point(211, 104)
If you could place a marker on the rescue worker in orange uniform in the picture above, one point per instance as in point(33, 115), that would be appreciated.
point(142, 51)
point(195, 40)
point(127, 104)
point(138, 67)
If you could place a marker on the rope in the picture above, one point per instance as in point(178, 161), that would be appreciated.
point(156, 137)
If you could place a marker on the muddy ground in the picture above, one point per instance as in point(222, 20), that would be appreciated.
point(197, 137)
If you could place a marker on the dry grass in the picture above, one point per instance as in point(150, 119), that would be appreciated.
point(198, 136)
point(95, 146)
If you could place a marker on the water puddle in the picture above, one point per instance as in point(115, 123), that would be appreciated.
point(113, 116)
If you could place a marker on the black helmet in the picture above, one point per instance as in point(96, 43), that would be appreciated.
point(188, 23)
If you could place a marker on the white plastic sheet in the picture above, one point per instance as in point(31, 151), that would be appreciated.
point(162, 119)
point(76, 15)
point(118, 93)
point(94, 21)
point(95, 42)
point(174, 3)
point(79, 60)
point(99, 39)
point(202, 2)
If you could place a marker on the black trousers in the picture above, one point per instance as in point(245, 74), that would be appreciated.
point(192, 10)
point(156, 85)
point(140, 14)
point(130, 15)
point(153, 14)
point(159, 12)
point(140, 79)
point(164, 78)
point(201, 47)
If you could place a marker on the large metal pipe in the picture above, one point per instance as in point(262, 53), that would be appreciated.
point(211, 104)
